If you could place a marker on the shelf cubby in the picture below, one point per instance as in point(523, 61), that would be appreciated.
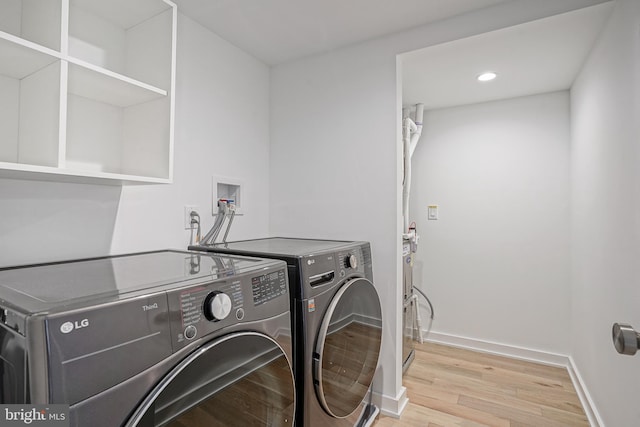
point(114, 126)
point(38, 21)
point(130, 38)
point(29, 105)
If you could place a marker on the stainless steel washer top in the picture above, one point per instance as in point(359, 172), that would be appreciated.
point(56, 286)
point(283, 246)
point(297, 253)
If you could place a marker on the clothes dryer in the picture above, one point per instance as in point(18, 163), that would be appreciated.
point(164, 338)
point(337, 323)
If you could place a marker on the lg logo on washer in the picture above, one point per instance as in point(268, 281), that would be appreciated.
point(67, 327)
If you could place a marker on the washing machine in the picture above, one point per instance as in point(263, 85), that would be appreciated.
point(337, 324)
point(164, 338)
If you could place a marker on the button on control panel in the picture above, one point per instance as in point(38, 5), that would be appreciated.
point(190, 332)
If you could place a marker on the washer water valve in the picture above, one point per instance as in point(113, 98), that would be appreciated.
point(625, 339)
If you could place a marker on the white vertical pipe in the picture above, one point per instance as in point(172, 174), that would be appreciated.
point(408, 128)
point(412, 130)
point(416, 135)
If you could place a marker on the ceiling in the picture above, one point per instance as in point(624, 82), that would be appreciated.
point(537, 57)
point(277, 31)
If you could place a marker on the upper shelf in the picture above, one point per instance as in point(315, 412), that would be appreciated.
point(111, 88)
point(45, 173)
point(20, 58)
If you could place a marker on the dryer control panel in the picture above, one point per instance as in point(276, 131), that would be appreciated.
point(351, 261)
point(321, 271)
point(201, 310)
point(324, 269)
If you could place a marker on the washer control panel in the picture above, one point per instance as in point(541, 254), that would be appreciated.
point(201, 310)
point(351, 261)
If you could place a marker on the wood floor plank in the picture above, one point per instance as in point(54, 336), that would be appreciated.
point(499, 396)
point(506, 412)
point(494, 361)
point(420, 416)
point(465, 412)
point(559, 399)
point(567, 418)
point(450, 386)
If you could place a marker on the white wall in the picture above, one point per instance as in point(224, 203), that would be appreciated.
point(334, 171)
point(222, 128)
point(605, 215)
point(335, 151)
point(46, 221)
point(496, 263)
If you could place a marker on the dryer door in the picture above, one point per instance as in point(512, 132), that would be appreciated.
point(347, 348)
point(242, 379)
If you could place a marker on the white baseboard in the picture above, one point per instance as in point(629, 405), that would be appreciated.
point(530, 355)
point(391, 406)
point(537, 356)
point(595, 420)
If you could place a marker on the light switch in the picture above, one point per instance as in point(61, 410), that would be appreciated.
point(432, 212)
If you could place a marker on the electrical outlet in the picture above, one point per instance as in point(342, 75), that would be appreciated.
point(187, 215)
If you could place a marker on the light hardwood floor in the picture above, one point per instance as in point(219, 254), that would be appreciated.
point(449, 386)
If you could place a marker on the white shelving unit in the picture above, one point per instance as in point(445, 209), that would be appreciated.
point(87, 90)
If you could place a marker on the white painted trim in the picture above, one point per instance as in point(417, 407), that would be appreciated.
point(391, 406)
point(522, 353)
point(530, 355)
point(595, 420)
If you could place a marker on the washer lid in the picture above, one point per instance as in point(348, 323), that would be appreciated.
point(51, 286)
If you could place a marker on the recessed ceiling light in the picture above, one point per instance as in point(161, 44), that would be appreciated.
point(487, 77)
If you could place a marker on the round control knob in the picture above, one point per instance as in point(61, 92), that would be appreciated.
point(625, 339)
point(217, 306)
point(351, 261)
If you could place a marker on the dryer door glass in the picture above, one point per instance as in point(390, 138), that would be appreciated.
point(347, 348)
point(242, 379)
